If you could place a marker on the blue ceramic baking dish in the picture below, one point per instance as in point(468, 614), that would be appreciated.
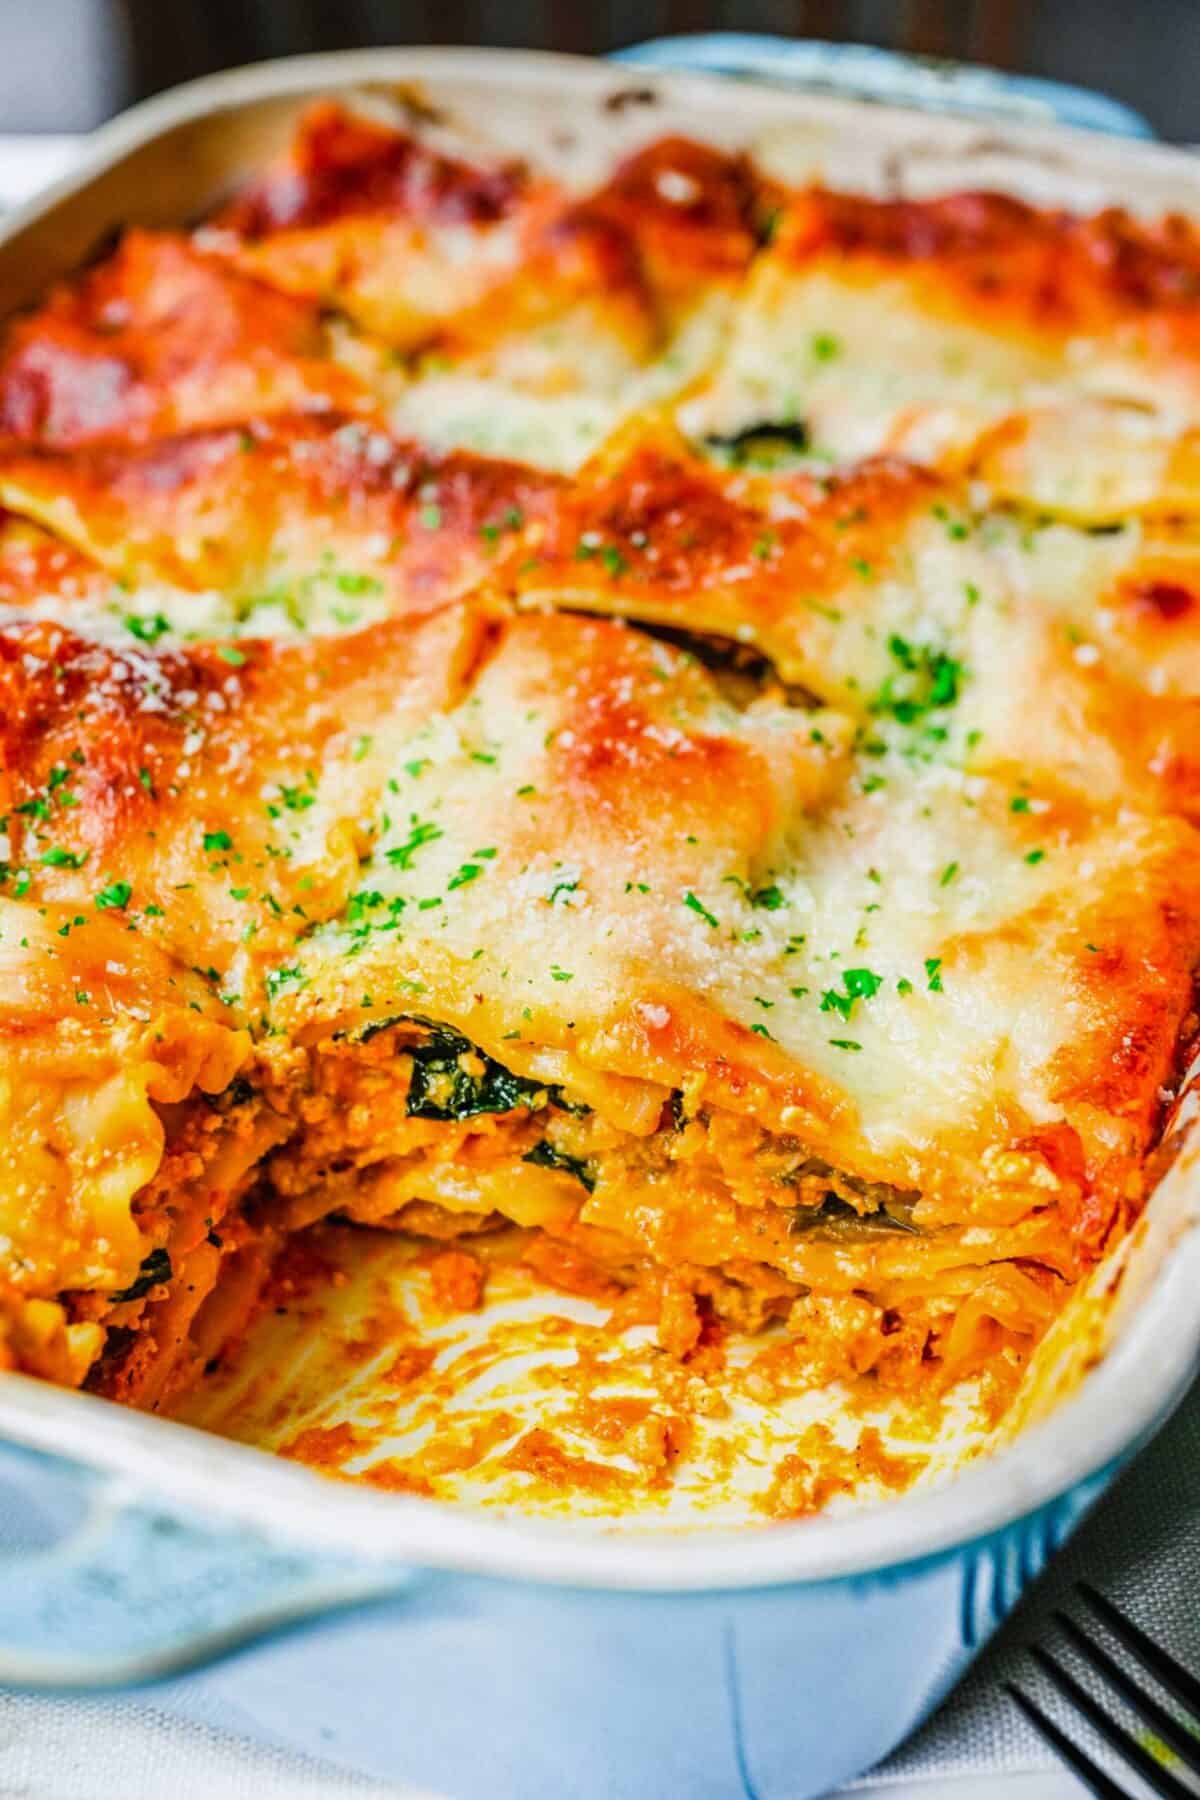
point(477, 1655)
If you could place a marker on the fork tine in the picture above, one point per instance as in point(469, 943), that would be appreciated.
point(1164, 1668)
point(1092, 1776)
point(1147, 1766)
point(1183, 1742)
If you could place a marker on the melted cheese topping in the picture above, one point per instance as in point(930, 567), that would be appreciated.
point(701, 681)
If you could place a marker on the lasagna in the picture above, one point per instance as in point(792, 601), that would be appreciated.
point(663, 722)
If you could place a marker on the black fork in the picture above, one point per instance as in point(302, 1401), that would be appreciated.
point(1181, 1740)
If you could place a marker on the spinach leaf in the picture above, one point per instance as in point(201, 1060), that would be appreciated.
point(764, 440)
point(440, 1088)
point(547, 1157)
point(155, 1268)
point(839, 1216)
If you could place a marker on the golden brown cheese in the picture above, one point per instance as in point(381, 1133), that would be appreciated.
point(364, 217)
point(327, 521)
point(887, 593)
point(1053, 355)
point(34, 566)
point(536, 337)
point(408, 241)
point(217, 800)
point(343, 164)
point(161, 337)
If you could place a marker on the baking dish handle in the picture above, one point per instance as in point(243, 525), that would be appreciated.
point(102, 1587)
point(864, 72)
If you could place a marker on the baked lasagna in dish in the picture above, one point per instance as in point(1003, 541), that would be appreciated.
point(657, 726)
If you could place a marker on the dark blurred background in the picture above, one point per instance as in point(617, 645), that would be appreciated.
point(67, 64)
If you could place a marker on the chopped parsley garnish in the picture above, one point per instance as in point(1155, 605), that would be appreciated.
point(825, 346)
point(859, 984)
point(295, 799)
point(362, 902)
point(926, 680)
point(57, 858)
point(368, 901)
point(217, 840)
point(423, 831)
point(769, 898)
point(38, 806)
point(116, 894)
point(933, 972)
point(148, 630)
point(512, 521)
point(947, 875)
point(278, 979)
point(1035, 856)
point(350, 583)
point(557, 974)
point(590, 548)
point(466, 872)
point(228, 653)
point(955, 528)
point(698, 906)
point(845, 1044)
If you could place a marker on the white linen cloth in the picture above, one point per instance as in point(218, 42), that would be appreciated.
point(1142, 1546)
